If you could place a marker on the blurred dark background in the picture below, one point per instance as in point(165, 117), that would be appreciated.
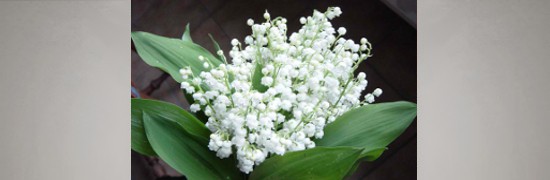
point(390, 25)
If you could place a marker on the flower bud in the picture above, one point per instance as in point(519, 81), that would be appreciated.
point(341, 30)
point(266, 15)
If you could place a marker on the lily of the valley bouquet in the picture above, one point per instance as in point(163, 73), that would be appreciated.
point(277, 107)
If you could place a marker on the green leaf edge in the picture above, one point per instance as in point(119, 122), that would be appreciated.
point(138, 36)
point(357, 153)
point(199, 141)
point(187, 34)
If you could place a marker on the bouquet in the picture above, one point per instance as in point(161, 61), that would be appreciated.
point(279, 107)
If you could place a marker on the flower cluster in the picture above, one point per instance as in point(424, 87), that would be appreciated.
point(306, 82)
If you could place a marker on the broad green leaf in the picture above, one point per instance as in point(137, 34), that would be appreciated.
point(171, 112)
point(139, 141)
point(315, 163)
point(186, 153)
point(216, 45)
point(159, 109)
point(187, 34)
point(171, 54)
point(257, 78)
point(369, 127)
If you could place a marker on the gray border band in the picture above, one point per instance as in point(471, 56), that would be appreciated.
point(483, 69)
point(64, 90)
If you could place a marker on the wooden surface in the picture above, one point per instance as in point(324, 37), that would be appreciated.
point(393, 66)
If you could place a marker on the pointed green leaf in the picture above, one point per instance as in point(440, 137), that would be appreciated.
point(169, 112)
point(164, 110)
point(315, 163)
point(139, 141)
point(216, 45)
point(369, 127)
point(371, 154)
point(186, 153)
point(171, 54)
point(368, 156)
point(187, 34)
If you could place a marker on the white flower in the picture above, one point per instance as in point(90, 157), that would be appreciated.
point(341, 30)
point(267, 80)
point(377, 92)
point(266, 15)
point(363, 47)
point(309, 82)
point(234, 42)
point(195, 107)
point(363, 40)
point(303, 20)
point(369, 98)
point(361, 75)
point(185, 85)
point(248, 40)
point(337, 11)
